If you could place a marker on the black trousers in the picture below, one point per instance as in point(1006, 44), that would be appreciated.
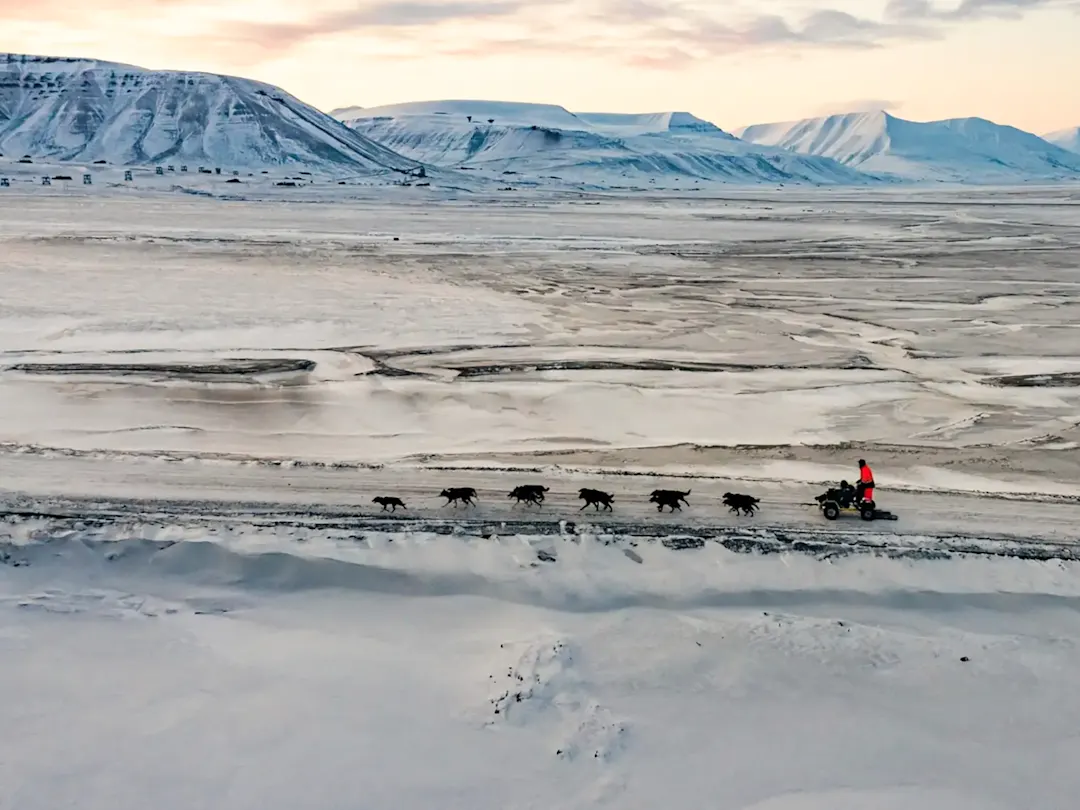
point(860, 490)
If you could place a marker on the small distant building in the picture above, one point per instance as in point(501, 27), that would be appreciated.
point(160, 170)
point(87, 180)
point(46, 181)
point(172, 168)
point(217, 170)
point(183, 168)
point(128, 177)
point(236, 173)
point(4, 182)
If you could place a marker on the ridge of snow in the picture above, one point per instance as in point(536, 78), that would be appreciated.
point(345, 113)
point(960, 149)
point(503, 113)
point(1065, 138)
point(85, 109)
point(628, 124)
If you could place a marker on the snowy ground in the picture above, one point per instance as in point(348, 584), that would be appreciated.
point(257, 672)
point(200, 396)
point(604, 331)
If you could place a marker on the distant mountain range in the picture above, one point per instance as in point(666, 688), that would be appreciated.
point(86, 110)
point(971, 150)
point(549, 143)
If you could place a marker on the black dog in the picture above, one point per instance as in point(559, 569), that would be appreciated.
point(596, 498)
point(529, 493)
point(746, 504)
point(455, 494)
point(668, 497)
point(387, 501)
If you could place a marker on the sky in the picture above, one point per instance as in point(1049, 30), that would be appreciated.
point(733, 62)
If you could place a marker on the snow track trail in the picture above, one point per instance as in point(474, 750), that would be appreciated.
point(123, 492)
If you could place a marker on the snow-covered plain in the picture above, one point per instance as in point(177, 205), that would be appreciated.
point(586, 328)
point(204, 386)
point(255, 672)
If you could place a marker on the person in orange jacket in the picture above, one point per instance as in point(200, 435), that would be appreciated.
point(865, 490)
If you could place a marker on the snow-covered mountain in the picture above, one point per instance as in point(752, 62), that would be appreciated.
point(960, 150)
point(547, 142)
point(81, 109)
point(629, 124)
point(343, 113)
point(502, 113)
point(1066, 139)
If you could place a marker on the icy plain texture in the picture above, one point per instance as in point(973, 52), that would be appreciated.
point(652, 333)
point(203, 387)
point(968, 150)
point(85, 110)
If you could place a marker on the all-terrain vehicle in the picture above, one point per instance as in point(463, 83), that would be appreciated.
point(842, 500)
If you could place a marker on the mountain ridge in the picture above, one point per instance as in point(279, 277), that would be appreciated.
point(82, 109)
point(549, 141)
point(1068, 138)
point(72, 108)
point(958, 149)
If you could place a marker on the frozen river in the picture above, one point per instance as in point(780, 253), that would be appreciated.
point(938, 332)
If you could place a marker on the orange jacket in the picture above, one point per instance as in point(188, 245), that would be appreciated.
point(865, 475)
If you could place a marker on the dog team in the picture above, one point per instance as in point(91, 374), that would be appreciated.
point(533, 495)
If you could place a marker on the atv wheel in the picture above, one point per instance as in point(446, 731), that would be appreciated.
point(868, 513)
point(831, 511)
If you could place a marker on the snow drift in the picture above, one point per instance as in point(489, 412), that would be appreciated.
point(1066, 139)
point(81, 109)
point(961, 150)
point(547, 142)
point(179, 665)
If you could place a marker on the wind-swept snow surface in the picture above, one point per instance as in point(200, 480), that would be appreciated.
point(543, 143)
point(76, 109)
point(275, 668)
point(960, 150)
point(1066, 139)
